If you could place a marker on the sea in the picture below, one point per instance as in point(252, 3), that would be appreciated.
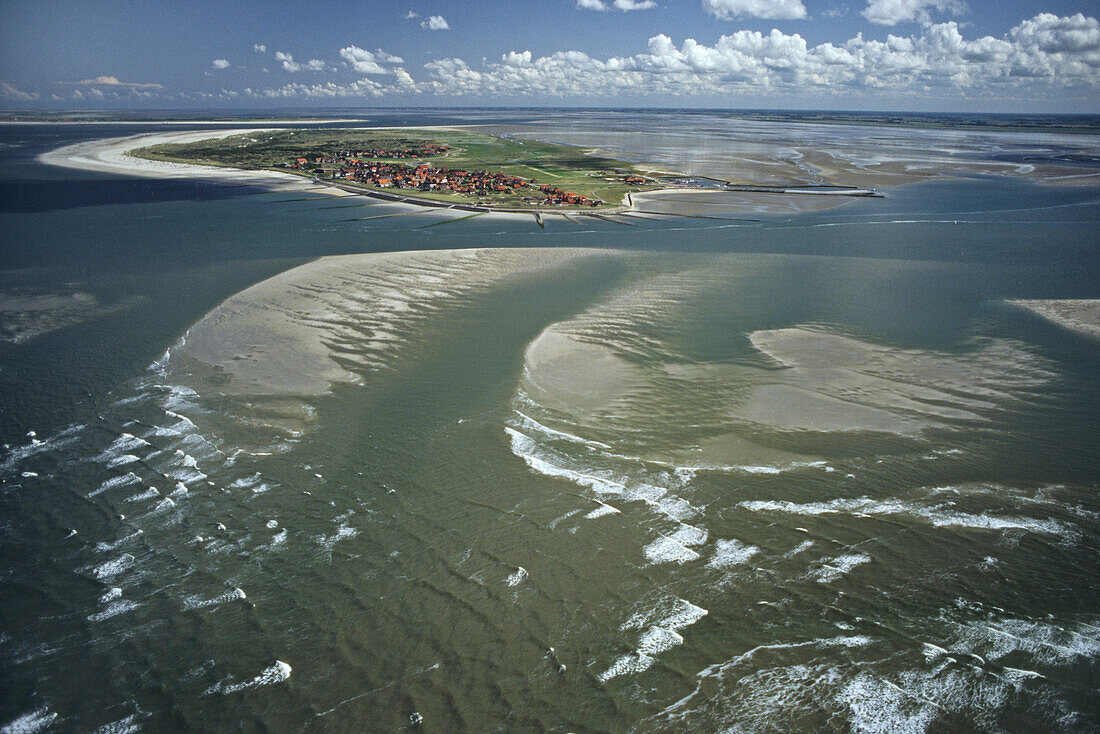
point(777, 471)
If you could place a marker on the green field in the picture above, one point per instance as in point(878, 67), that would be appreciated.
point(565, 167)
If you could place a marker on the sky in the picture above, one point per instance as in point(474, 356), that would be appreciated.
point(916, 55)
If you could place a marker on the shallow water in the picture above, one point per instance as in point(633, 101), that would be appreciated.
point(834, 484)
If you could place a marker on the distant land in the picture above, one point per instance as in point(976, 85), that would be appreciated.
point(1067, 123)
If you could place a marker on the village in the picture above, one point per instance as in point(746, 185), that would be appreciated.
point(364, 167)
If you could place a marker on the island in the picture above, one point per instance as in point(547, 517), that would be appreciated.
point(449, 167)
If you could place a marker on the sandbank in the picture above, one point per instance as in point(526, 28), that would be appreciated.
point(337, 318)
point(1081, 315)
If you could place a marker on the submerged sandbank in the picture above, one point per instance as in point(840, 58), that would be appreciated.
point(338, 317)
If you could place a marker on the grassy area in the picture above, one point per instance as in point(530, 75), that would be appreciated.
point(562, 166)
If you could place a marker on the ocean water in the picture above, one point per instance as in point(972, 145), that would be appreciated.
point(806, 472)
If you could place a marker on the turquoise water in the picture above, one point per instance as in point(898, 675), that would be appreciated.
point(835, 484)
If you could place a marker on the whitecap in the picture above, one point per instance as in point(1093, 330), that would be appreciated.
point(274, 674)
point(119, 481)
point(730, 553)
point(110, 569)
point(198, 602)
point(517, 577)
point(627, 665)
point(30, 723)
point(838, 567)
point(603, 509)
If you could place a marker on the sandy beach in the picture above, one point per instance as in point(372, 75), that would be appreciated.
point(112, 155)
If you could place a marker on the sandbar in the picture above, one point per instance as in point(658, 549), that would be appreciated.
point(1081, 315)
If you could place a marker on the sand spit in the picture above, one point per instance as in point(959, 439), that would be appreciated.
point(1081, 315)
point(281, 336)
point(112, 155)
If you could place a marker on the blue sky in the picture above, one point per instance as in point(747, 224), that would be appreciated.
point(970, 55)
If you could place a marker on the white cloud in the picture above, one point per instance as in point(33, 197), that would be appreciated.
point(624, 5)
point(289, 64)
point(111, 81)
point(1042, 57)
point(9, 92)
point(770, 9)
point(892, 12)
point(259, 48)
point(435, 23)
point(368, 62)
point(221, 64)
point(410, 15)
point(1046, 52)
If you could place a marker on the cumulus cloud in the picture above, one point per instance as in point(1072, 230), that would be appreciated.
point(1046, 50)
point(221, 64)
point(435, 23)
point(591, 5)
point(770, 9)
point(289, 64)
point(1040, 57)
point(892, 12)
point(259, 48)
point(9, 92)
point(368, 62)
point(110, 81)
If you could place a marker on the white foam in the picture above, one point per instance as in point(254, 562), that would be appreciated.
point(667, 550)
point(278, 539)
point(110, 595)
point(128, 725)
point(730, 553)
point(104, 547)
point(934, 515)
point(627, 665)
point(113, 610)
point(517, 577)
point(533, 424)
point(601, 482)
point(343, 531)
point(603, 509)
point(673, 613)
point(272, 524)
point(165, 504)
point(245, 482)
point(197, 602)
point(122, 460)
point(120, 481)
point(30, 723)
point(656, 640)
point(274, 674)
point(876, 706)
point(839, 567)
point(148, 494)
point(110, 569)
